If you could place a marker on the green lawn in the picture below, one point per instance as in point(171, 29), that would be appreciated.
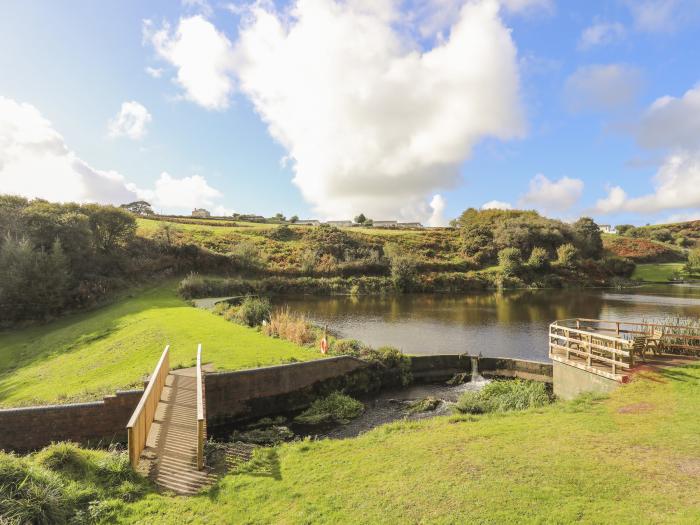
point(656, 272)
point(90, 354)
point(632, 458)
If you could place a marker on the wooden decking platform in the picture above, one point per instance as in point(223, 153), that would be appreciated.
point(170, 456)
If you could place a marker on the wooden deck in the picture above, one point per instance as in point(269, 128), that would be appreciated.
point(170, 456)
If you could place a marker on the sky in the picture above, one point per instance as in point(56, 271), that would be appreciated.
point(409, 110)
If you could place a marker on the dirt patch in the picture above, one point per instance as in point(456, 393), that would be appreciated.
point(636, 408)
point(690, 467)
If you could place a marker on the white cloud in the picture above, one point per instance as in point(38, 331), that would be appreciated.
point(155, 72)
point(370, 121)
point(602, 87)
point(672, 122)
point(131, 121)
point(181, 195)
point(676, 187)
point(202, 56)
point(520, 6)
point(199, 6)
point(438, 205)
point(497, 205)
point(654, 15)
point(550, 196)
point(600, 34)
point(36, 162)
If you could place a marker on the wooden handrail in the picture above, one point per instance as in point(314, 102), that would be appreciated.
point(201, 434)
point(142, 418)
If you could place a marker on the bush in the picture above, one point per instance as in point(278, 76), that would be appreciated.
point(539, 259)
point(253, 311)
point(246, 257)
point(403, 272)
point(510, 261)
point(395, 364)
point(567, 255)
point(335, 408)
point(504, 396)
point(291, 326)
point(618, 266)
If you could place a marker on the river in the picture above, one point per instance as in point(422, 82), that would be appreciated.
point(497, 324)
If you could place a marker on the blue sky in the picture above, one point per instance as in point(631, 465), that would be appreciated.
point(566, 117)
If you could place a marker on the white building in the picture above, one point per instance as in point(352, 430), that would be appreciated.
point(309, 222)
point(607, 228)
point(339, 224)
point(385, 224)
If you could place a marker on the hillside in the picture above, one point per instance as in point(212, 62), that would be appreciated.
point(642, 250)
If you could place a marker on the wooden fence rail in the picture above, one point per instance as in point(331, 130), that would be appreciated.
point(142, 418)
point(201, 432)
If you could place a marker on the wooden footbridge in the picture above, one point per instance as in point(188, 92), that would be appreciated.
point(616, 349)
point(167, 430)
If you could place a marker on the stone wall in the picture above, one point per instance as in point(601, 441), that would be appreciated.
point(30, 428)
point(259, 392)
point(442, 367)
point(570, 382)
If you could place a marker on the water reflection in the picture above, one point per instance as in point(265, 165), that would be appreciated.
point(504, 324)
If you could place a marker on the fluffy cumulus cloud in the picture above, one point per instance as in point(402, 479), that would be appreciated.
point(552, 196)
point(497, 205)
point(202, 57)
point(656, 16)
point(36, 162)
point(600, 34)
point(672, 122)
point(369, 120)
point(131, 121)
point(602, 87)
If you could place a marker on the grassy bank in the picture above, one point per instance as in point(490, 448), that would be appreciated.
point(633, 458)
point(657, 273)
point(86, 355)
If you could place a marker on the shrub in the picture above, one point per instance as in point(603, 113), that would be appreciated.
point(510, 261)
point(253, 311)
point(396, 365)
point(335, 408)
point(504, 396)
point(622, 229)
point(539, 259)
point(588, 239)
point(403, 272)
point(567, 255)
point(246, 257)
point(619, 266)
point(291, 326)
point(307, 262)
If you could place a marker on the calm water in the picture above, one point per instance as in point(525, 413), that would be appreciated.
point(507, 324)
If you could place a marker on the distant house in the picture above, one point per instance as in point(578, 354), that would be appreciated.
point(385, 224)
point(309, 222)
point(607, 228)
point(339, 224)
point(201, 213)
point(410, 225)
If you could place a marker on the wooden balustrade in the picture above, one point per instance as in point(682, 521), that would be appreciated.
point(142, 418)
point(201, 432)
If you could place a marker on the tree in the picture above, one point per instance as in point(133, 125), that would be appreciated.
point(138, 207)
point(279, 216)
point(361, 219)
point(111, 226)
point(539, 259)
point(566, 255)
point(587, 237)
point(294, 218)
point(403, 271)
point(510, 260)
point(622, 229)
point(694, 259)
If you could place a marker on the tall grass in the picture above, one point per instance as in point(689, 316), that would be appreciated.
point(334, 408)
point(291, 326)
point(504, 396)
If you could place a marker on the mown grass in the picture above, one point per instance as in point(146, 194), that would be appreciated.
point(84, 356)
point(632, 458)
point(657, 272)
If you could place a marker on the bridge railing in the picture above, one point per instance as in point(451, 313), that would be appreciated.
point(142, 418)
point(607, 354)
point(201, 431)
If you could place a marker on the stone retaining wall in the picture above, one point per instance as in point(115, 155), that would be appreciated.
point(30, 428)
point(441, 367)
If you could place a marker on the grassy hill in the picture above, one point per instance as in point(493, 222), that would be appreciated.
point(642, 250)
point(86, 355)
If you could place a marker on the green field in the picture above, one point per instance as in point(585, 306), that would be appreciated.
point(86, 355)
point(632, 458)
point(656, 272)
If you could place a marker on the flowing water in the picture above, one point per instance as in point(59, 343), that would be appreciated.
point(498, 324)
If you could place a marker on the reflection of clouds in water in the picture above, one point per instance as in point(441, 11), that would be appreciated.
point(660, 300)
